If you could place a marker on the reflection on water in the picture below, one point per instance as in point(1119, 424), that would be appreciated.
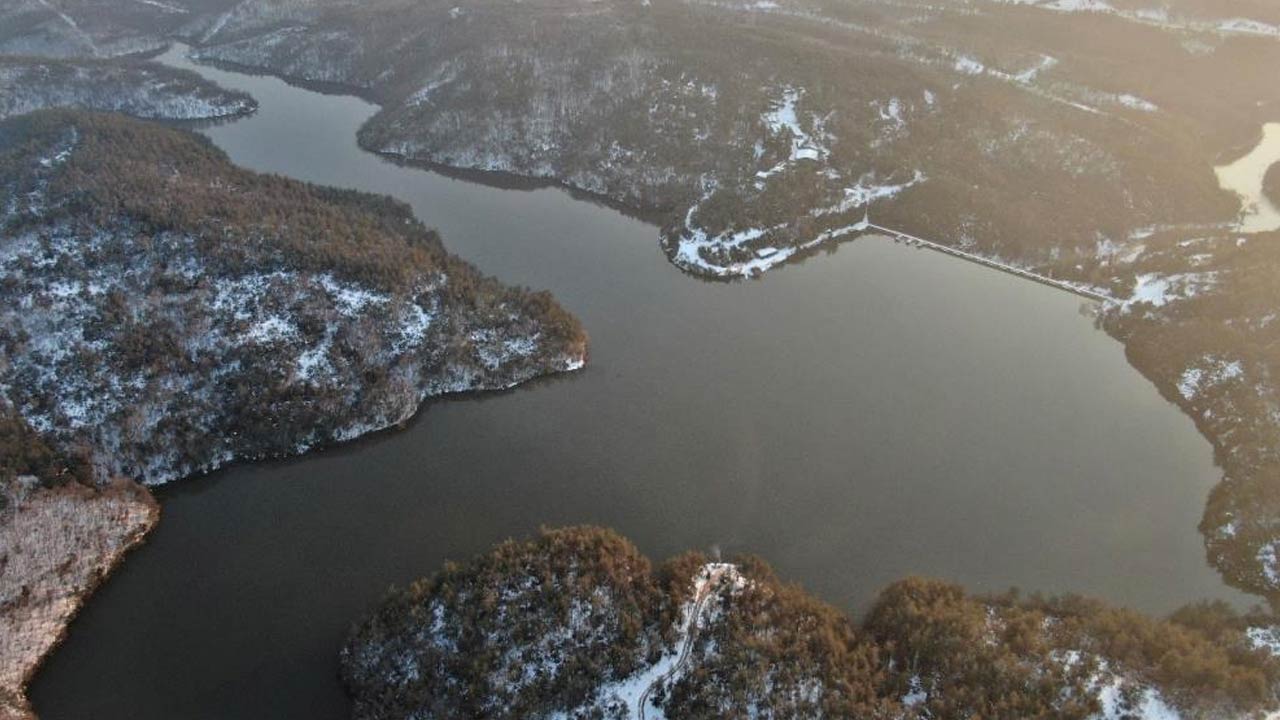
point(1244, 178)
point(874, 412)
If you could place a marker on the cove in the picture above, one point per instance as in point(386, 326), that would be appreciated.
point(873, 412)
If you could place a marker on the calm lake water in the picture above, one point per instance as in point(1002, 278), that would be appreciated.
point(873, 412)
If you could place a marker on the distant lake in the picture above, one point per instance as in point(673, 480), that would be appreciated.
point(1244, 177)
point(873, 412)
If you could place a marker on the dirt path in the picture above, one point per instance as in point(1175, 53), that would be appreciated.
point(704, 593)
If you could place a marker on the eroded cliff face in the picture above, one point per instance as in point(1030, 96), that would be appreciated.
point(140, 89)
point(58, 544)
point(167, 313)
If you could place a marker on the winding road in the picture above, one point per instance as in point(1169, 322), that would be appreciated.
point(705, 588)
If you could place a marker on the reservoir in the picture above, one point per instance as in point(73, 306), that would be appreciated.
point(873, 412)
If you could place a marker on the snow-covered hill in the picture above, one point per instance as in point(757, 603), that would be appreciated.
point(140, 89)
point(169, 313)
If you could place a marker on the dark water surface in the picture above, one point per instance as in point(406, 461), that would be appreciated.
point(871, 413)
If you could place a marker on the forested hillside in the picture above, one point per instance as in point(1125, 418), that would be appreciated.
point(576, 624)
point(140, 89)
point(170, 312)
point(97, 28)
point(764, 129)
point(164, 313)
point(1076, 139)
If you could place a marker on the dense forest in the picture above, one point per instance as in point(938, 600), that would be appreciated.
point(137, 88)
point(514, 634)
point(167, 312)
point(769, 126)
point(762, 129)
point(93, 28)
point(1209, 341)
point(573, 622)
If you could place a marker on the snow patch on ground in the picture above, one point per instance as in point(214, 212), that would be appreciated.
point(631, 698)
point(750, 251)
point(1120, 696)
point(1265, 638)
point(1117, 704)
point(916, 692)
point(713, 254)
point(783, 121)
point(867, 191)
point(1159, 290)
point(1136, 103)
point(439, 79)
point(1209, 372)
point(1159, 17)
point(1266, 557)
point(967, 65)
point(1245, 26)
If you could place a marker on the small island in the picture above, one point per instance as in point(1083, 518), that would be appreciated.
point(577, 623)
